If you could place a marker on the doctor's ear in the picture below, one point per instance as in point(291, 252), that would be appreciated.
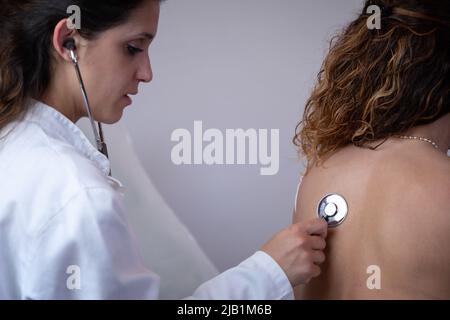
point(64, 40)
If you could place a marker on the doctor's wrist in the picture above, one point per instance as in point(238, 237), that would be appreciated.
point(281, 285)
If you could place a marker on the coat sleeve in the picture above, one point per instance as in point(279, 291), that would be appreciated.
point(87, 251)
point(257, 278)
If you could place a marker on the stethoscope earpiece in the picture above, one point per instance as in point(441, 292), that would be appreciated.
point(69, 44)
point(333, 208)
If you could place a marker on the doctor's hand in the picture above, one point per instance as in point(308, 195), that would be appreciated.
point(298, 250)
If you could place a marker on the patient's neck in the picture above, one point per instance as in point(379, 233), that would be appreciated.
point(438, 131)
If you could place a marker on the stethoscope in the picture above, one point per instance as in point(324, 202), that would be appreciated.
point(69, 44)
point(333, 209)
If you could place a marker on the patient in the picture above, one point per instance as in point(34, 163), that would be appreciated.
point(376, 130)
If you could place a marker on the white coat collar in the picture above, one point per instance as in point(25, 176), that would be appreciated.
point(59, 127)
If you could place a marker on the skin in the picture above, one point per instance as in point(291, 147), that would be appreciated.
point(108, 68)
point(399, 218)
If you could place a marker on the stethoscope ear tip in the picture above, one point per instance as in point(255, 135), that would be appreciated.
point(69, 44)
point(333, 209)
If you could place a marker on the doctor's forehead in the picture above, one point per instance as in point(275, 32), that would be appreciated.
point(142, 22)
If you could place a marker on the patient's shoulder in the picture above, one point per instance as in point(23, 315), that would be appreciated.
point(396, 164)
point(424, 179)
point(394, 175)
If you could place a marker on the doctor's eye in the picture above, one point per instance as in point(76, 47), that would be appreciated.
point(133, 50)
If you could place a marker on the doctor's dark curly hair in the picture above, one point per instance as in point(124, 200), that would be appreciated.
point(375, 83)
point(26, 30)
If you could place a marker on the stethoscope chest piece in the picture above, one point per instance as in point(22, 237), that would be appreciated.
point(333, 208)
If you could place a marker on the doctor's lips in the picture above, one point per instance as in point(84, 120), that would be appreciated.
point(128, 98)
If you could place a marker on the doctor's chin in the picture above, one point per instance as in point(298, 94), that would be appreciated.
point(253, 151)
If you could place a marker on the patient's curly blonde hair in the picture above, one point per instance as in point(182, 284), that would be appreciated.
point(377, 83)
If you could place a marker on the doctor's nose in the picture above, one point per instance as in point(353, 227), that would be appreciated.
point(145, 72)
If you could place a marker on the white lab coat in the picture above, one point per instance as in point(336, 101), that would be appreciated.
point(64, 233)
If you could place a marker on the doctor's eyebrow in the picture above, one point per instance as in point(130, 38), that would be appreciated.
point(146, 35)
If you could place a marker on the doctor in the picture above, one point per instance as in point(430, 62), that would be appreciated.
point(63, 230)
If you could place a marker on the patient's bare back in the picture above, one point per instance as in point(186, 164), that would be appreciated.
point(394, 242)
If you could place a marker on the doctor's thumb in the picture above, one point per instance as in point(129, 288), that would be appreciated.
point(296, 249)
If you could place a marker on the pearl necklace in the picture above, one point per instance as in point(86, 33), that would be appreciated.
point(418, 138)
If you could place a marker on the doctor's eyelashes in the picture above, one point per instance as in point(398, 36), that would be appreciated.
point(133, 50)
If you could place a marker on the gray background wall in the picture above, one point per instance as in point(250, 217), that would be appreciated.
point(232, 64)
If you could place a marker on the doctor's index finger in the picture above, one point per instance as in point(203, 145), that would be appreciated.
point(316, 226)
